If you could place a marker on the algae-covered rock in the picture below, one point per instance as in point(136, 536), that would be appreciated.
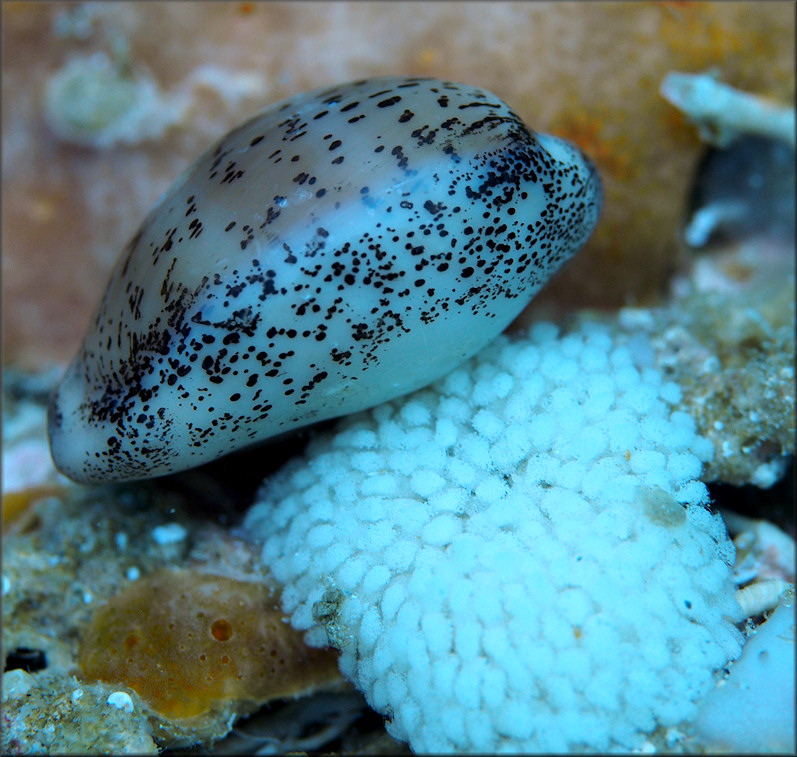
point(198, 648)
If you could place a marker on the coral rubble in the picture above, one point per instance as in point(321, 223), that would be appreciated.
point(727, 339)
point(56, 714)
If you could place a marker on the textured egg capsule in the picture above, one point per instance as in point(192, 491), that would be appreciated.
point(339, 249)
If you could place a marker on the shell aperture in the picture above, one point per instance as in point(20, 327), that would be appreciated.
point(339, 249)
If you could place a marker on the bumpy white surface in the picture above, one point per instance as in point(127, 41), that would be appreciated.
point(517, 558)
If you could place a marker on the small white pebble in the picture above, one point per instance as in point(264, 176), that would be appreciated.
point(88, 597)
point(77, 694)
point(133, 573)
point(121, 700)
point(6, 585)
point(17, 683)
point(171, 533)
point(719, 425)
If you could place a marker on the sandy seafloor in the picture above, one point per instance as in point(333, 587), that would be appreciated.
point(589, 73)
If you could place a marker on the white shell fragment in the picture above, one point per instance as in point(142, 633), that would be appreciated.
point(339, 249)
point(752, 710)
point(121, 700)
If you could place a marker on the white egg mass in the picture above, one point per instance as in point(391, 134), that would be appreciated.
point(339, 249)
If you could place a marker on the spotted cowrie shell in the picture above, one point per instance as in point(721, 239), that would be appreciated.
point(339, 249)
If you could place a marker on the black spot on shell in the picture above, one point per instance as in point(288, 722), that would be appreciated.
point(389, 101)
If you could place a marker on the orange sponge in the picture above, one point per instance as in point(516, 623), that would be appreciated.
point(190, 642)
